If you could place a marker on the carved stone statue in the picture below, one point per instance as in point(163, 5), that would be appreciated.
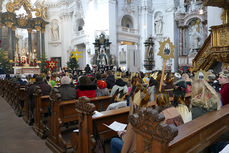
point(158, 24)
point(55, 31)
point(103, 57)
point(122, 56)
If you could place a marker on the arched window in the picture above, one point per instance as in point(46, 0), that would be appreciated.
point(80, 24)
point(127, 21)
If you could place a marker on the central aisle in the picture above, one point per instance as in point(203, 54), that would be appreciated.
point(15, 135)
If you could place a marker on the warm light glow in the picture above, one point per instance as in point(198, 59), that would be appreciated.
point(201, 11)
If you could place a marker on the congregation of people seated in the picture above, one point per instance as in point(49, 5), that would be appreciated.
point(171, 101)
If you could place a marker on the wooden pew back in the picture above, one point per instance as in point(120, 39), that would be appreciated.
point(41, 108)
point(84, 138)
point(193, 136)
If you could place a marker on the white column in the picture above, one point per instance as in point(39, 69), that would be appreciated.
point(113, 27)
point(66, 34)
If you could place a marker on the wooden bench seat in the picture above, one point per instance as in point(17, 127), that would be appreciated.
point(64, 112)
point(83, 141)
point(191, 137)
point(41, 108)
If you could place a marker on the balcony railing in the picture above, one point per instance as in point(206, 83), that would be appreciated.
point(127, 30)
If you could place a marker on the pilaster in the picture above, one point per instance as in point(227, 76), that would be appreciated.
point(30, 39)
point(43, 42)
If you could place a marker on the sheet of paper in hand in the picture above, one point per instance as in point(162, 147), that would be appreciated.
point(116, 126)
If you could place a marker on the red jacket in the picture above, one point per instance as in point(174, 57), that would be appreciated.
point(224, 92)
point(88, 91)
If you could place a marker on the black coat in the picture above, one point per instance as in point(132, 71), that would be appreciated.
point(110, 81)
point(67, 92)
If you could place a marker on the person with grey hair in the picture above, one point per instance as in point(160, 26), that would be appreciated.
point(66, 90)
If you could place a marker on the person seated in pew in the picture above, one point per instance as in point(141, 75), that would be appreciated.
point(119, 85)
point(179, 100)
point(45, 88)
point(102, 89)
point(66, 90)
point(86, 87)
point(110, 79)
point(126, 143)
point(224, 81)
point(204, 98)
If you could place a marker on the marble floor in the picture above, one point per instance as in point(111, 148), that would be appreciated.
point(15, 135)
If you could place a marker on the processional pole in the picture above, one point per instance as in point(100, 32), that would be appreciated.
point(166, 52)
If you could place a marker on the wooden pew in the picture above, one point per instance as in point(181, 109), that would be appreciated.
point(102, 102)
point(1, 87)
point(16, 104)
point(83, 140)
point(191, 137)
point(63, 112)
point(6, 89)
point(41, 108)
point(24, 96)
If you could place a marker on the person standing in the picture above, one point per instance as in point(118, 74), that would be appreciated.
point(224, 82)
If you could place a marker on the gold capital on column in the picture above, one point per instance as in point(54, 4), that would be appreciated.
point(14, 28)
point(42, 30)
point(29, 30)
point(38, 28)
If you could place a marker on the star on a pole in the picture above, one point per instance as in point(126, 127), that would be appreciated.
point(76, 54)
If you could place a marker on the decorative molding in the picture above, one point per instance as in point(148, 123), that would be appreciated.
point(150, 122)
point(55, 43)
point(59, 4)
point(37, 91)
point(55, 95)
point(84, 105)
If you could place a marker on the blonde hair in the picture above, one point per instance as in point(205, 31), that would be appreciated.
point(201, 87)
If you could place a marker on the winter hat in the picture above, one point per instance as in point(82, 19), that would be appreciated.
point(65, 80)
point(101, 84)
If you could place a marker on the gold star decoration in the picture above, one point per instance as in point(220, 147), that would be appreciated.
point(76, 54)
point(166, 49)
point(201, 74)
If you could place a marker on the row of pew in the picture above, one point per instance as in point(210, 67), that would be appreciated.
point(153, 136)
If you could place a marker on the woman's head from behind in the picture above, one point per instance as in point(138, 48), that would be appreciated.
point(203, 91)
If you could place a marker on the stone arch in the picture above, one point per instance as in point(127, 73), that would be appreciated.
point(127, 21)
point(192, 17)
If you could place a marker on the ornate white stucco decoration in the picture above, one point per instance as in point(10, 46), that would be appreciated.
point(129, 7)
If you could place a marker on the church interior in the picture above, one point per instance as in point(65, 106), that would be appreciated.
point(114, 76)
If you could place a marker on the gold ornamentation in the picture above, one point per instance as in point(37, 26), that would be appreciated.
point(29, 30)
point(166, 49)
point(9, 7)
point(223, 37)
point(225, 16)
point(38, 28)
point(22, 21)
point(201, 74)
point(17, 4)
point(14, 28)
